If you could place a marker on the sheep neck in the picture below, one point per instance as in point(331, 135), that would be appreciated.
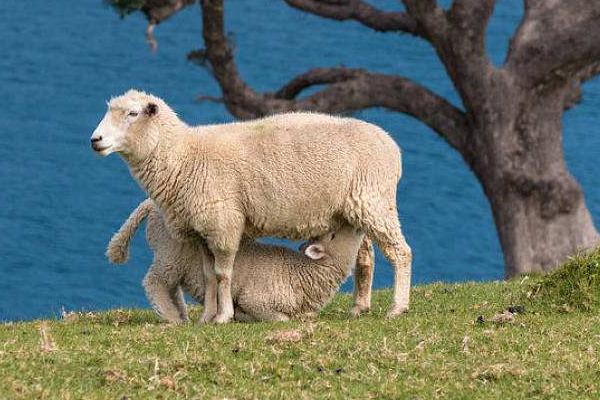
point(158, 173)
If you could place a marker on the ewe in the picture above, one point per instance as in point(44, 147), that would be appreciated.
point(295, 175)
point(269, 283)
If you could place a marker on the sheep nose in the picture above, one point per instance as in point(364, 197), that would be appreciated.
point(96, 139)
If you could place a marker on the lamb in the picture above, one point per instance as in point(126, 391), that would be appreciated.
point(293, 175)
point(269, 283)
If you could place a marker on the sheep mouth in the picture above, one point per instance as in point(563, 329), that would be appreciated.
point(99, 149)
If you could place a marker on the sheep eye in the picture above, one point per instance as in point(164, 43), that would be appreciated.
point(332, 236)
point(133, 114)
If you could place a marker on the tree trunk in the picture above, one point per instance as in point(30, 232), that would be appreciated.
point(537, 238)
point(538, 207)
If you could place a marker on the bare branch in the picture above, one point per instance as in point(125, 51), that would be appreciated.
point(555, 41)
point(468, 20)
point(150, 37)
point(360, 11)
point(431, 19)
point(395, 93)
point(211, 99)
point(157, 11)
point(316, 76)
point(573, 93)
point(238, 96)
point(458, 36)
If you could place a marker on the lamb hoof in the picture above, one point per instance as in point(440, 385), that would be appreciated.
point(357, 310)
point(309, 316)
point(397, 311)
point(222, 319)
point(207, 318)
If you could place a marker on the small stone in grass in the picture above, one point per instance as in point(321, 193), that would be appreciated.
point(516, 309)
point(285, 335)
point(167, 382)
point(504, 318)
point(114, 375)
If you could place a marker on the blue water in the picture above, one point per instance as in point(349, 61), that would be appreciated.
point(59, 203)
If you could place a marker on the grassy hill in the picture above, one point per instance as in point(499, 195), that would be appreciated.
point(456, 342)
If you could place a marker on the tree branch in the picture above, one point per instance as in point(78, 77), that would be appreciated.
point(430, 18)
point(573, 93)
point(237, 95)
point(458, 36)
point(347, 89)
point(555, 41)
point(158, 11)
point(394, 93)
point(360, 11)
point(468, 20)
point(316, 76)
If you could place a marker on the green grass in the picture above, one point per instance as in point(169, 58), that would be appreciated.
point(575, 286)
point(437, 350)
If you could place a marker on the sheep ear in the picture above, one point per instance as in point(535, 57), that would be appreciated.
point(151, 109)
point(314, 251)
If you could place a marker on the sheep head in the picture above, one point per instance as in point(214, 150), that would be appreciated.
point(129, 126)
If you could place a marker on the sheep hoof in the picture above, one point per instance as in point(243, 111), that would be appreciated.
point(222, 318)
point(397, 311)
point(357, 310)
point(174, 322)
point(207, 318)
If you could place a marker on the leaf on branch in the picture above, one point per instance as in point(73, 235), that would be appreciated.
point(156, 11)
point(125, 7)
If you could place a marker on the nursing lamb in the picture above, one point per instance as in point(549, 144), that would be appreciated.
point(269, 282)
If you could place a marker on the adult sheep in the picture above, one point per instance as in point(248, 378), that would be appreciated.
point(298, 284)
point(295, 175)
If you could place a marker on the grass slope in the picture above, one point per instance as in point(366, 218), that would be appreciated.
point(439, 349)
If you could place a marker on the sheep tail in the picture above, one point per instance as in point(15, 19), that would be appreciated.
point(118, 247)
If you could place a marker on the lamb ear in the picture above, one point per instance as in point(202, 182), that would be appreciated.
point(151, 109)
point(314, 251)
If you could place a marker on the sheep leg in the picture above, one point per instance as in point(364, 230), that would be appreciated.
point(179, 301)
point(382, 225)
point(363, 278)
point(159, 294)
point(210, 291)
point(399, 254)
point(223, 269)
